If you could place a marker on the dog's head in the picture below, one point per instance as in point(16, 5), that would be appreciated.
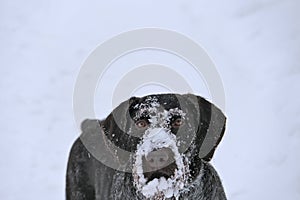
point(169, 136)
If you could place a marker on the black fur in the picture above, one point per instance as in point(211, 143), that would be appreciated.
point(89, 179)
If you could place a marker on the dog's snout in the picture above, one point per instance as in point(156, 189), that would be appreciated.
point(158, 158)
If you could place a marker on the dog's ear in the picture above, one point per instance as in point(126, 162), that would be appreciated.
point(107, 140)
point(117, 125)
point(211, 126)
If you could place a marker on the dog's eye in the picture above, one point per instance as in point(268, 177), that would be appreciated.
point(141, 123)
point(177, 123)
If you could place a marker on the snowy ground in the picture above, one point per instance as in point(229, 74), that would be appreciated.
point(255, 45)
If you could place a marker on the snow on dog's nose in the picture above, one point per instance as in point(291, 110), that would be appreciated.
point(158, 147)
point(159, 168)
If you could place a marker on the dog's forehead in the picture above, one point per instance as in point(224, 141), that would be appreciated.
point(161, 102)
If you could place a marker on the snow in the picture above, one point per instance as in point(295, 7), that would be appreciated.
point(256, 48)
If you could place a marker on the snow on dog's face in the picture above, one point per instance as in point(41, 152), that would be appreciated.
point(172, 129)
point(169, 136)
point(159, 168)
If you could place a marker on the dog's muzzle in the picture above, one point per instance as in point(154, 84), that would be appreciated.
point(159, 168)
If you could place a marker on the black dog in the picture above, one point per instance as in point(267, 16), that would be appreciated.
point(154, 147)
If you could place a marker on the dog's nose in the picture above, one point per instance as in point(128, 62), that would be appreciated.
point(158, 158)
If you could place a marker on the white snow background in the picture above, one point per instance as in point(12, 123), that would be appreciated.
point(255, 45)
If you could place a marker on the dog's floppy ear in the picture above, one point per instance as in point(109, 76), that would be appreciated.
point(116, 125)
point(211, 126)
point(107, 140)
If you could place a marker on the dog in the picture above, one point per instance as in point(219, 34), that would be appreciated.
point(152, 147)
